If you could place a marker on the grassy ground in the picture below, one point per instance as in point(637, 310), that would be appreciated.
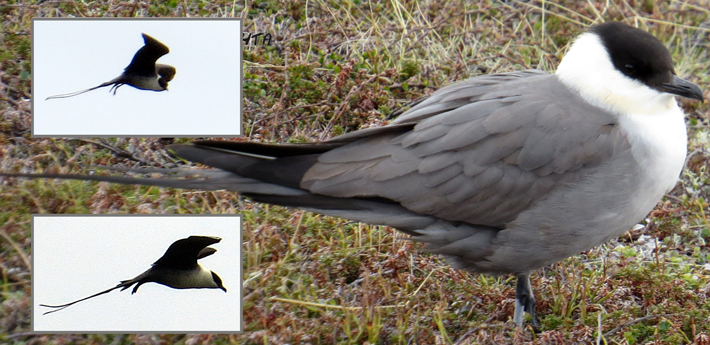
point(336, 66)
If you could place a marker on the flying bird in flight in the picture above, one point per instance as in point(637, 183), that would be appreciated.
point(177, 268)
point(142, 73)
point(501, 174)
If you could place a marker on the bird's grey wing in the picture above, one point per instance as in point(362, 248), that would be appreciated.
point(461, 93)
point(474, 154)
point(183, 253)
point(445, 99)
point(167, 72)
point(143, 62)
point(479, 155)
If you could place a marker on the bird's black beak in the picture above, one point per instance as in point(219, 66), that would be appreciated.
point(683, 88)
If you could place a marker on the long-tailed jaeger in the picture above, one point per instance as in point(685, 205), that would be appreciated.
point(142, 73)
point(177, 268)
point(501, 174)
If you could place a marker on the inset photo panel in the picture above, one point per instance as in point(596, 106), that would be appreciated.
point(136, 77)
point(136, 274)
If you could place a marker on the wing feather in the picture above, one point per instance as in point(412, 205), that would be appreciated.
point(462, 160)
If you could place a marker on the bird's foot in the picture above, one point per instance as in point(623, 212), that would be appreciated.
point(524, 301)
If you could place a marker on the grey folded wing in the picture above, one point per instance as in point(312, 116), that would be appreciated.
point(479, 151)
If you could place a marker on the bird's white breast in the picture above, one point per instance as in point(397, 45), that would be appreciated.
point(658, 142)
point(181, 279)
point(147, 83)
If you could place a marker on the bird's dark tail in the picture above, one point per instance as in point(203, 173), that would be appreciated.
point(250, 170)
point(63, 306)
point(113, 82)
point(266, 173)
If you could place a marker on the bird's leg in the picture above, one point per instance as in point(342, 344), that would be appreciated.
point(115, 87)
point(524, 300)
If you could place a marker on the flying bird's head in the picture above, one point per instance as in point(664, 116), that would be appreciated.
point(218, 281)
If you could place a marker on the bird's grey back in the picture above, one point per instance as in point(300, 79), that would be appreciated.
point(481, 151)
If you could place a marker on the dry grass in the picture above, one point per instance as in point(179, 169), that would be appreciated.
point(337, 66)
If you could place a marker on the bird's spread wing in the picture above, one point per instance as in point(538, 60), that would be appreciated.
point(183, 253)
point(206, 252)
point(143, 62)
point(165, 71)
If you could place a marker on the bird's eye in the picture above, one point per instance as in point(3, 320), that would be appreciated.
point(629, 69)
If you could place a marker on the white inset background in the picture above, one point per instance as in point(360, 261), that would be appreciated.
point(203, 99)
point(78, 256)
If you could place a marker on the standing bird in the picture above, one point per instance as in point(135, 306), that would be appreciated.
point(177, 268)
point(501, 174)
point(142, 73)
